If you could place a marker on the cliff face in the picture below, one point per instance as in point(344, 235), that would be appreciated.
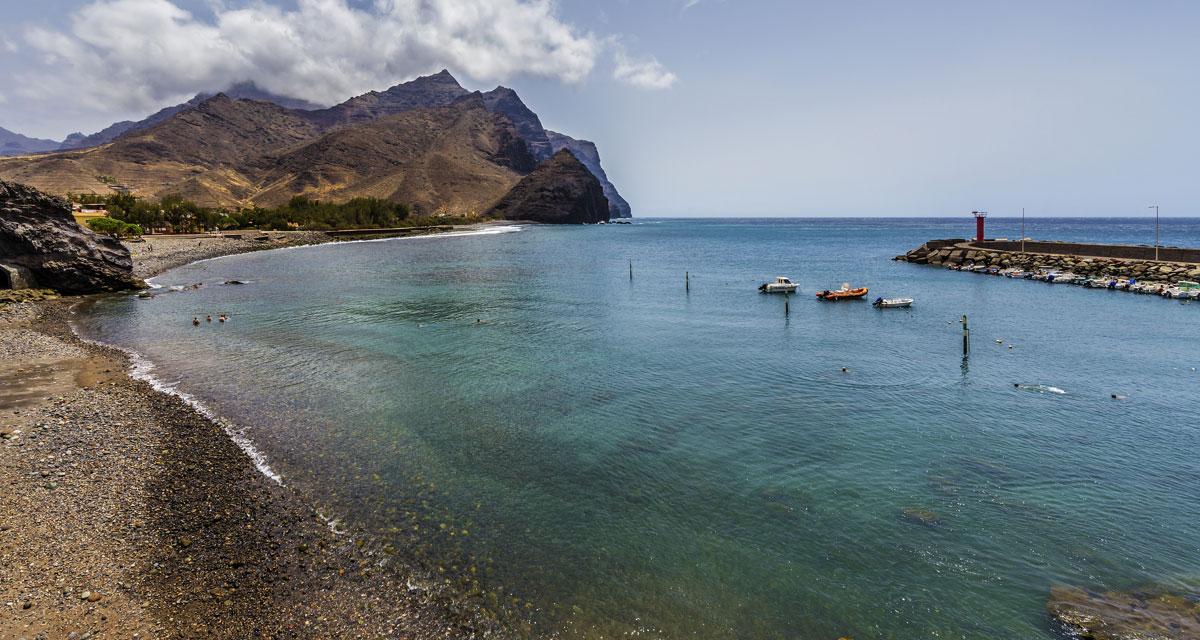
point(505, 101)
point(38, 234)
point(561, 190)
point(586, 152)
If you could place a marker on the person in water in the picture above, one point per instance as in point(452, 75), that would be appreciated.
point(195, 321)
point(208, 319)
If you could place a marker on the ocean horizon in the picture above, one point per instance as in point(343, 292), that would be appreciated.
point(562, 425)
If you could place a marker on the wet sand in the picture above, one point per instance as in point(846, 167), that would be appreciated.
point(128, 514)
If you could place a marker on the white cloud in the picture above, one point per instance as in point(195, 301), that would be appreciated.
point(141, 54)
point(646, 73)
point(8, 45)
point(3, 98)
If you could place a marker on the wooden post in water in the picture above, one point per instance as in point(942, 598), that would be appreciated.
point(966, 337)
point(687, 282)
point(786, 310)
point(631, 269)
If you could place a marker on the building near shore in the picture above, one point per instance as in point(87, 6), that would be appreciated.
point(84, 212)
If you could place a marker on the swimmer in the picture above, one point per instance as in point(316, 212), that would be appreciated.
point(208, 319)
point(845, 370)
point(195, 321)
point(1116, 396)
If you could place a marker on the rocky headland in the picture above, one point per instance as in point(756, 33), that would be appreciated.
point(561, 190)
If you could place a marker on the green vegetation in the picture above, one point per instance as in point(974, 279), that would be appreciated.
point(114, 227)
point(174, 214)
point(303, 213)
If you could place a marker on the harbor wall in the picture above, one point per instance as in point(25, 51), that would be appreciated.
point(1122, 251)
point(1083, 261)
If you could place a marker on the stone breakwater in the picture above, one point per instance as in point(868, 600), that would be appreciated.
point(956, 252)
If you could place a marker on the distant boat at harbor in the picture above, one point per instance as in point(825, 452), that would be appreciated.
point(845, 293)
point(782, 284)
point(892, 303)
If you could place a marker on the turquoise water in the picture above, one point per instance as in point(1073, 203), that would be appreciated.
point(599, 455)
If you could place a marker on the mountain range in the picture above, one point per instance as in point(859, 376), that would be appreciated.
point(428, 143)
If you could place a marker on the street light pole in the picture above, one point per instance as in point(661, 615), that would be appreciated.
point(1022, 229)
point(1155, 207)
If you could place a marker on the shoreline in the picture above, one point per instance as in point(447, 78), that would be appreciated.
point(134, 514)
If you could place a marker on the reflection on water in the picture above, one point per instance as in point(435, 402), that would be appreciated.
point(601, 455)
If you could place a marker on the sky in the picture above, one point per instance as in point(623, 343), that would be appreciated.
point(699, 107)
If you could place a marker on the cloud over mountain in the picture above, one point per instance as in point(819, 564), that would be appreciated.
point(139, 54)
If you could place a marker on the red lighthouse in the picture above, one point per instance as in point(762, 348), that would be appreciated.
point(979, 218)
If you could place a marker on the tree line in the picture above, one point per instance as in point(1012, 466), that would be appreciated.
point(175, 214)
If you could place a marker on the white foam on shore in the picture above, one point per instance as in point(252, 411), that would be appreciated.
point(141, 368)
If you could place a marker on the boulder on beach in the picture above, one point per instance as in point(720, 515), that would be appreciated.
point(1148, 615)
point(38, 236)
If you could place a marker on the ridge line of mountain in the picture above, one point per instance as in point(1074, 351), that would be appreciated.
point(432, 91)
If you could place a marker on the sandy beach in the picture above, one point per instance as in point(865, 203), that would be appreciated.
point(128, 514)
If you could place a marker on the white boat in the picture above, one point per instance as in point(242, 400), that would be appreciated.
point(781, 285)
point(892, 303)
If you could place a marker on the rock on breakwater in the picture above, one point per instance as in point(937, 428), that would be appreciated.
point(958, 252)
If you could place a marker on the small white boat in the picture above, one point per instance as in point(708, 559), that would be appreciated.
point(781, 285)
point(892, 303)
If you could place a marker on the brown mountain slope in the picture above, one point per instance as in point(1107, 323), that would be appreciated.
point(199, 153)
point(437, 90)
point(235, 153)
point(455, 159)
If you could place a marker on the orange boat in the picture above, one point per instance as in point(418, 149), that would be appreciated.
point(845, 293)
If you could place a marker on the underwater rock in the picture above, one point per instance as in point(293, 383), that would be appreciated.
point(1149, 615)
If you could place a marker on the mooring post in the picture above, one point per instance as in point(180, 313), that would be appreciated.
point(631, 269)
point(786, 310)
point(966, 337)
point(687, 282)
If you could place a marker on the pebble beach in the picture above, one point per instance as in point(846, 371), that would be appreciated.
point(128, 514)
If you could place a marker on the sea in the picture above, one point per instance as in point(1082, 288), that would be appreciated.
point(607, 431)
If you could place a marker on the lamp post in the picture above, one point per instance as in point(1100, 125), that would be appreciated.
point(1155, 207)
point(1022, 229)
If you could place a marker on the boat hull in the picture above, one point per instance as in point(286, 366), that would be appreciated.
point(844, 294)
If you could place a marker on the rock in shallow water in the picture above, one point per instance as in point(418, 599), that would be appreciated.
point(1151, 615)
point(38, 234)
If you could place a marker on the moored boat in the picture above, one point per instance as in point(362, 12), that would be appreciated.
point(892, 303)
point(845, 293)
point(782, 284)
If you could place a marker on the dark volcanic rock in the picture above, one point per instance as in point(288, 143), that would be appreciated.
point(38, 233)
point(590, 157)
point(437, 90)
point(506, 101)
point(561, 190)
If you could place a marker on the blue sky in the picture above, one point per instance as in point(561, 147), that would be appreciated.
point(730, 107)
